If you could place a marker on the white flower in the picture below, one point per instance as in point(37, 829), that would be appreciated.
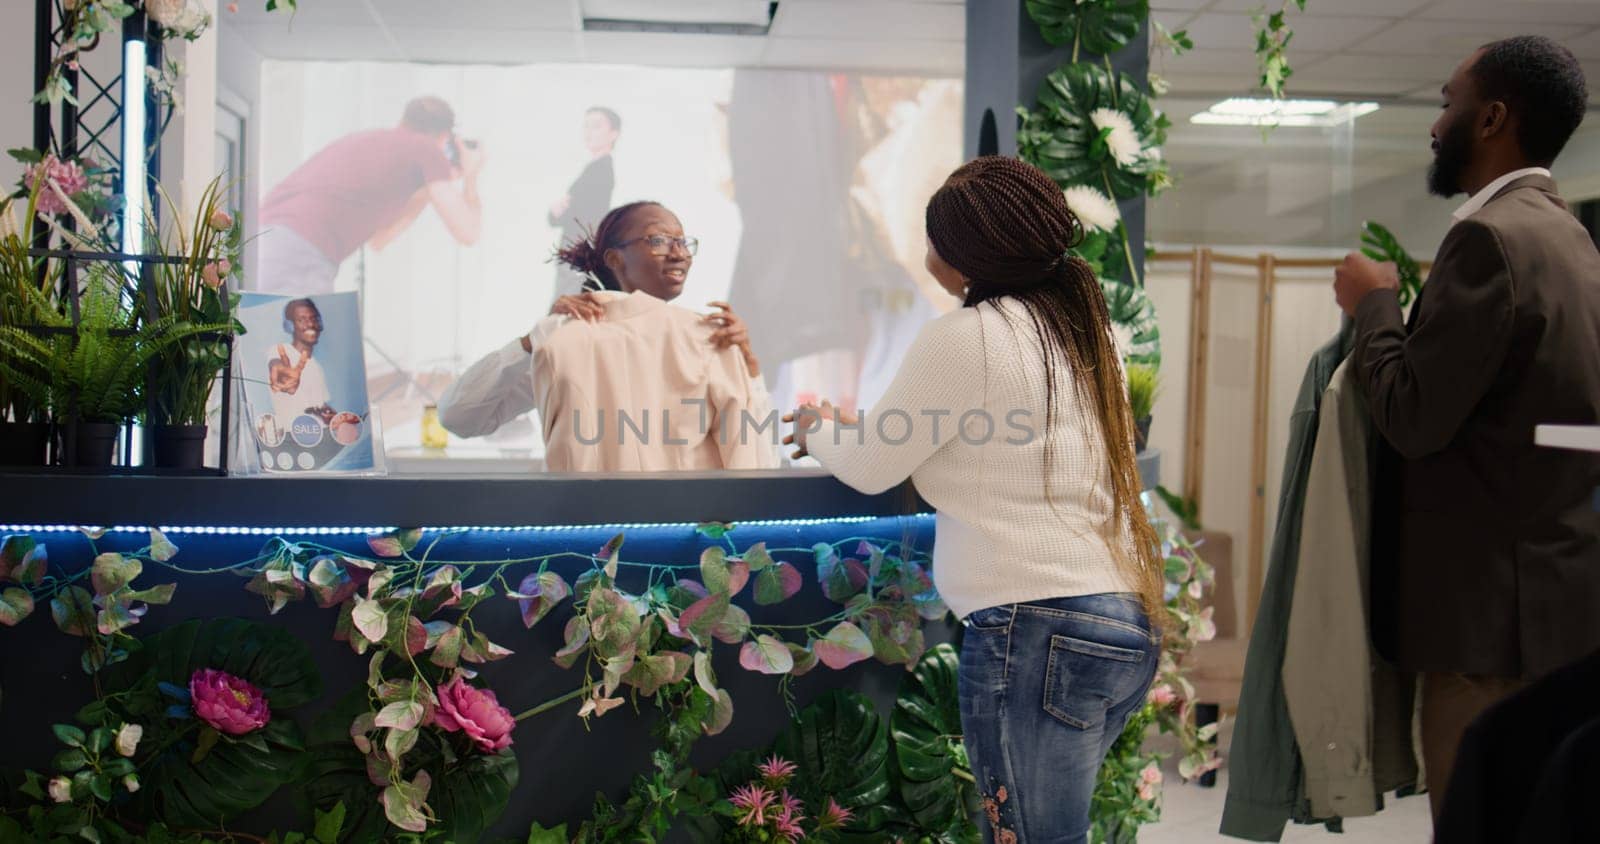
point(61, 790)
point(1094, 209)
point(165, 12)
point(1124, 143)
point(131, 783)
point(128, 738)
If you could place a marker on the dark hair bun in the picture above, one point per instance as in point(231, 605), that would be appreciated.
point(581, 255)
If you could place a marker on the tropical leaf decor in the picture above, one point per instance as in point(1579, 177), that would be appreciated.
point(1133, 316)
point(928, 754)
point(1099, 26)
point(1090, 127)
point(1380, 244)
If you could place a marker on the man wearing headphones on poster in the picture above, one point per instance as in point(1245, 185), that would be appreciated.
point(298, 384)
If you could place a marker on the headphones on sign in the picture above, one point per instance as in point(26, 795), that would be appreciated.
point(288, 309)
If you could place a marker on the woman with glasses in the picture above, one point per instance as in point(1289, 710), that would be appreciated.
point(701, 372)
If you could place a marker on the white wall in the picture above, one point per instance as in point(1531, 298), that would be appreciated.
point(16, 85)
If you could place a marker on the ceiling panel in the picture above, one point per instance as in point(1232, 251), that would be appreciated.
point(1316, 34)
point(753, 12)
point(1400, 66)
point(1311, 83)
point(1335, 8)
point(852, 20)
point(942, 58)
point(1513, 11)
point(672, 50)
point(447, 46)
point(1448, 38)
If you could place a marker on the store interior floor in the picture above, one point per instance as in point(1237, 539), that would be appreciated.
point(1190, 814)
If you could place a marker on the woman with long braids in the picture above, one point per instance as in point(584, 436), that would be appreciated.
point(1011, 416)
point(637, 253)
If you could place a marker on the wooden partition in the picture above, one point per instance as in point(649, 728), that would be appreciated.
point(1238, 331)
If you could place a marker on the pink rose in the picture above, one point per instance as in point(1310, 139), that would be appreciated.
point(231, 704)
point(215, 272)
point(233, 8)
point(1151, 774)
point(1147, 792)
point(221, 220)
point(68, 176)
point(1163, 696)
point(475, 712)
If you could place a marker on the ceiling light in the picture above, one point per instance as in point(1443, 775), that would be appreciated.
point(1255, 111)
point(722, 17)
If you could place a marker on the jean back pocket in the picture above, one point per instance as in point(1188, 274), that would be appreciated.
point(1084, 680)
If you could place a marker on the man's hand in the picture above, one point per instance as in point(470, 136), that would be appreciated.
point(560, 206)
point(802, 418)
point(284, 376)
point(1359, 276)
point(731, 331)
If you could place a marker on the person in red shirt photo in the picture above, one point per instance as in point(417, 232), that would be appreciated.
point(366, 188)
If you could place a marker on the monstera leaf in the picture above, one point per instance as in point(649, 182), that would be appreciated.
point(470, 791)
point(1103, 252)
point(1061, 137)
point(842, 748)
point(189, 784)
point(1380, 244)
point(926, 726)
point(1100, 26)
point(1133, 316)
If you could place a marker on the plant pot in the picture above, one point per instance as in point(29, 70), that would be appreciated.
point(23, 443)
point(1142, 433)
point(179, 446)
point(96, 443)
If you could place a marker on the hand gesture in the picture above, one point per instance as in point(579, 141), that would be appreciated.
point(1360, 275)
point(731, 331)
point(284, 376)
point(471, 157)
point(804, 425)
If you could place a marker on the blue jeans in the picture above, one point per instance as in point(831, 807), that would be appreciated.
point(1046, 687)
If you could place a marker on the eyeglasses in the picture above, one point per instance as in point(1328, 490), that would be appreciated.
point(660, 245)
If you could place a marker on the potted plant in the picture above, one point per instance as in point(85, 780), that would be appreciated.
point(24, 423)
point(193, 292)
point(1143, 384)
point(90, 373)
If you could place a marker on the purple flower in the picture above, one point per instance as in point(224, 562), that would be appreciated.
point(231, 704)
point(476, 712)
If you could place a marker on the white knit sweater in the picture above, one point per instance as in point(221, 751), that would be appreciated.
point(999, 540)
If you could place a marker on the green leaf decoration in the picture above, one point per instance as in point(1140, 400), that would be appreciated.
point(1380, 244)
point(733, 627)
point(69, 735)
point(73, 611)
point(895, 631)
point(161, 548)
point(555, 835)
point(577, 641)
point(15, 605)
point(111, 572)
point(845, 645)
point(538, 594)
point(1100, 26)
point(704, 615)
point(757, 557)
point(777, 584)
point(714, 530)
point(611, 552)
point(395, 543)
point(328, 824)
point(1133, 316)
point(14, 548)
point(1060, 137)
point(714, 569)
point(842, 745)
point(766, 655)
point(234, 776)
point(721, 713)
point(840, 579)
point(926, 725)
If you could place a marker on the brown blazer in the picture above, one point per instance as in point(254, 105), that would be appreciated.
point(1486, 549)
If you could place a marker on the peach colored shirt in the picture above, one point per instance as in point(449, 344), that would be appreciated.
point(645, 390)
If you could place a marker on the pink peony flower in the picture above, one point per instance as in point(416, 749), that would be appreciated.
point(66, 176)
point(834, 816)
point(215, 272)
point(1151, 774)
point(220, 220)
point(776, 771)
point(230, 704)
point(1163, 696)
point(754, 800)
point(476, 712)
point(1147, 792)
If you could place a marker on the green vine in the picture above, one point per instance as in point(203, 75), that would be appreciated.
point(1273, 35)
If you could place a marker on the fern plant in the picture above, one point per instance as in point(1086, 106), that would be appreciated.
point(22, 274)
point(94, 371)
point(1143, 384)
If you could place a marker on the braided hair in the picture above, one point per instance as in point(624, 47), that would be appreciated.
point(1005, 226)
point(588, 255)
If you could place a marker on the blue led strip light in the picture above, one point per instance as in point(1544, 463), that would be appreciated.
point(364, 531)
